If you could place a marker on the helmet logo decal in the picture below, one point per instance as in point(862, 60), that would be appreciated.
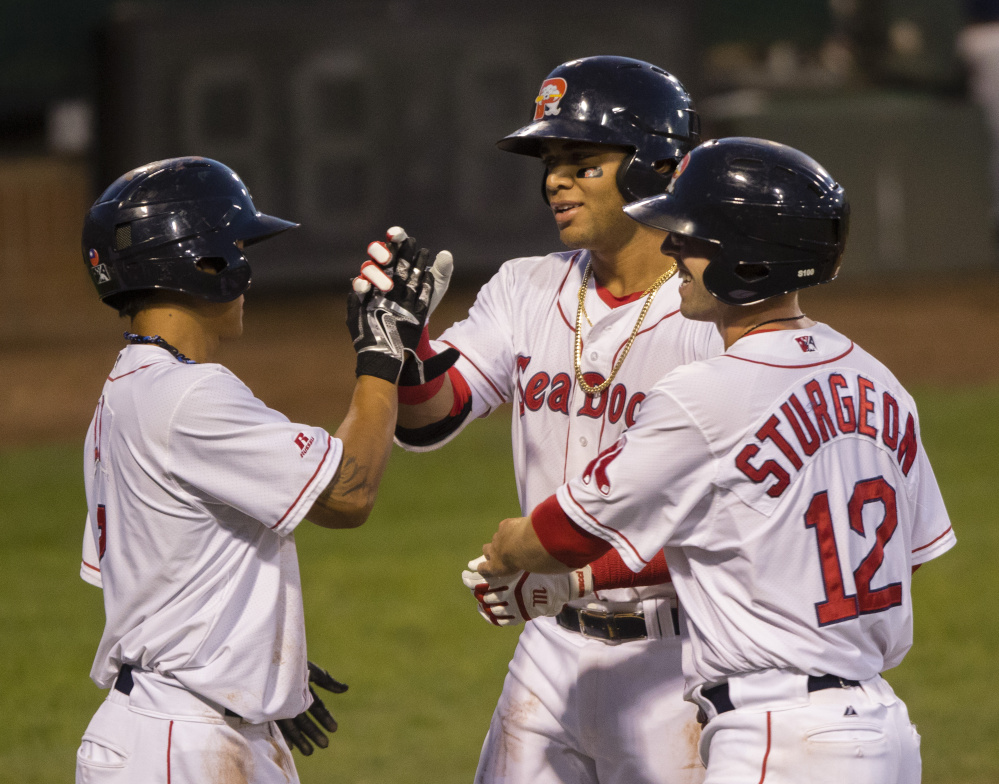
point(549, 96)
point(679, 170)
point(98, 271)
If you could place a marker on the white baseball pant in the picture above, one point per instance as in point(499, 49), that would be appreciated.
point(123, 745)
point(581, 711)
point(859, 735)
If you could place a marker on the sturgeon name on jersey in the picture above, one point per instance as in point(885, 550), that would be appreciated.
point(817, 413)
point(555, 391)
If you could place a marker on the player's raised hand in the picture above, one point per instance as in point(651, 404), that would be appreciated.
point(301, 732)
point(394, 254)
point(386, 318)
point(384, 254)
point(512, 599)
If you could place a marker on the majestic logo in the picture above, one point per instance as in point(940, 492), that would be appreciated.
point(551, 93)
point(807, 343)
point(304, 443)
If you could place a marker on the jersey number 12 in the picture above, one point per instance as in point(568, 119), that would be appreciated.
point(839, 605)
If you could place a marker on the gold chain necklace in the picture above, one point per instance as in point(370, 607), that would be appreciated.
point(650, 294)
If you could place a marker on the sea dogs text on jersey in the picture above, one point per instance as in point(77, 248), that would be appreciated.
point(817, 413)
point(543, 390)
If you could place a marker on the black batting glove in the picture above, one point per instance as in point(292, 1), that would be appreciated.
point(418, 371)
point(385, 324)
point(302, 732)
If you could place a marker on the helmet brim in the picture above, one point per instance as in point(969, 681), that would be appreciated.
point(266, 226)
point(528, 140)
point(662, 212)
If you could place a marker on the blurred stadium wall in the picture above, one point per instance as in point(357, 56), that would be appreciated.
point(349, 116)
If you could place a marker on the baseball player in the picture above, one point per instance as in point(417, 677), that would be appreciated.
point(786, 479)
point(194, 487)
point(575, 340)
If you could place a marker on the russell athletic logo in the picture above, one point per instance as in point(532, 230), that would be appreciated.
point(304, 443)
point(549, 96)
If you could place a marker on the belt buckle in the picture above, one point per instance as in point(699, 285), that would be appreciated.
point(588, 627)
point(607, 629)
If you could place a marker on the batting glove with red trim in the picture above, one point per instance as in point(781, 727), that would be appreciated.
point(512, 599)
point(389, 263)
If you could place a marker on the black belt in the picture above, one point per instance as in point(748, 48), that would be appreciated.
point(124, 684)
point(608, 625)
point(718, 695)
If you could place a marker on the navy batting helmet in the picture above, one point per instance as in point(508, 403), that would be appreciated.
point(173, 225)
point(619, 101)
point(778, 219)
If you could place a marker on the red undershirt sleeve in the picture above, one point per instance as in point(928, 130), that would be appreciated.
point(609, 571)
point(562, 538)
point(462, 392)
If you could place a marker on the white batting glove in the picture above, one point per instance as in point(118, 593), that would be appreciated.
point(381, 253)
point(512, 599)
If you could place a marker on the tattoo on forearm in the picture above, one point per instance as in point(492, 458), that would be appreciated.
point(351, 478)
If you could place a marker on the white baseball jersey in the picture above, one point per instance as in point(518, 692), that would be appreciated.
point(517, 345)
point(194, 488)
point(788, 483)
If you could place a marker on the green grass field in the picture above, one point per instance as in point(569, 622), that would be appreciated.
point(388, 614)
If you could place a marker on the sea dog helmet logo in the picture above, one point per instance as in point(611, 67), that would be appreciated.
point(679, 170)
point(549, 96)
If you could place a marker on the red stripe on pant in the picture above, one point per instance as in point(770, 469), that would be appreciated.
point(169, 743)
point(766, 754)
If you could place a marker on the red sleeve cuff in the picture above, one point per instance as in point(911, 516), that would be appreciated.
point(462, 392)
point(413, 396)
point(562, 538)
point(611, 572)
